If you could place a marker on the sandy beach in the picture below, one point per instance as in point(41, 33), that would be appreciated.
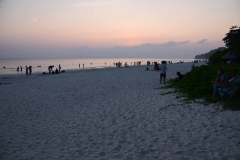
point(111, 113)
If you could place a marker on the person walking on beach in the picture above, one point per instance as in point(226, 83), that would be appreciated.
point(26, 70)
point(30, 70)
point(18, 68)
point(79, 65)
point(59, 68)
point(83, 65)
point(163, 68)
point(21, 68)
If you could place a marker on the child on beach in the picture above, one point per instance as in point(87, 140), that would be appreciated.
point(180, 76)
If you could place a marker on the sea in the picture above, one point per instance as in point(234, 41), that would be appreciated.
point(10, 65)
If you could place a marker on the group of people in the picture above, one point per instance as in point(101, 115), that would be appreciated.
point(227, 86)
point(51, 71)
point(163, 69)
point(27, 68)
point(19, 68)
point(82, 65)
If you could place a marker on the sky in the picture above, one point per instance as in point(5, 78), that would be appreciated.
point(114, 28)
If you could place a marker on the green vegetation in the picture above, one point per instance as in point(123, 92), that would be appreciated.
point(197, 84)
point(217, 57)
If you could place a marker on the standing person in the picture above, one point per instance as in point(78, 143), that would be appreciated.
point(21, 68)
point(59, 68)
point(26, 70)
point(163, 68)
point(18, 68)
point(30, 70)
point(83, 65)
point(79, 65)
point(49, 70)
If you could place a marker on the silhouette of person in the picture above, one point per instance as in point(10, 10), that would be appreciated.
point(26, 70)
point(56, 71)
point(50, 69)
point(30, 70)
point(59, 67)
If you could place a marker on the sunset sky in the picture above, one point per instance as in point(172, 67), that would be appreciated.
point(62, 28)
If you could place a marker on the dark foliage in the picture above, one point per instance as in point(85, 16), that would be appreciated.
point(232, 40)
point(217, 57)
point(197, 84)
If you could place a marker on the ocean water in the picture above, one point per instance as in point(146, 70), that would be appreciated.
point(68, 64)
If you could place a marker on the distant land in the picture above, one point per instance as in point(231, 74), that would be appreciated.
point(207, 55)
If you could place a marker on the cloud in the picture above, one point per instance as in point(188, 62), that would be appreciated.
point(184, 42)
point(33, 20)
point(202, 41)
point(171, 49)
point(173, 43)
point(170, 43)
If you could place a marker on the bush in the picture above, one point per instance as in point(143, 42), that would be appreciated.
point(197, 84)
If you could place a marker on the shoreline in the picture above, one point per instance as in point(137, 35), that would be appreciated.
point(87, 69)
point(12, 64)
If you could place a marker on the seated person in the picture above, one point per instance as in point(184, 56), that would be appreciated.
point(56, 71)
point(156, 66)
point(221, 79)
point(230, 87)
point(180, 76)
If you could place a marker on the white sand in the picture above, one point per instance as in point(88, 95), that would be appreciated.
point(110, 114)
